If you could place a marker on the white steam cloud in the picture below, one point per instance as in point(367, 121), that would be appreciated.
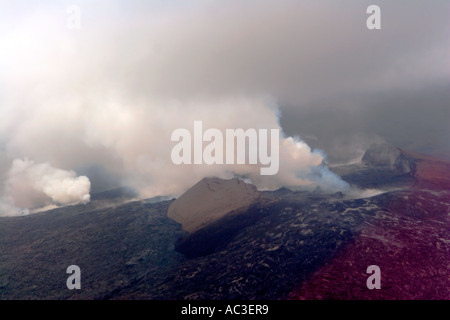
point(133, 143)
point(30, 186)
point(110, 94)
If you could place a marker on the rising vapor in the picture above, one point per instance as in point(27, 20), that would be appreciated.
point(140, 144)
point(30, 186)
point(80, 103)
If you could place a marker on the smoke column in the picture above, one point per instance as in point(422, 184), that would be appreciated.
point(109, 96)
point(30, 186)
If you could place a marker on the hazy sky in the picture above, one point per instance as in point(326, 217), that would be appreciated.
point(101, 100)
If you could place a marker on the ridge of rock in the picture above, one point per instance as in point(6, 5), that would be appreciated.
point(209, 200)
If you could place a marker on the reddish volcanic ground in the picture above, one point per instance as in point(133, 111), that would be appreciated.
point(241, 243)
point(407, 239)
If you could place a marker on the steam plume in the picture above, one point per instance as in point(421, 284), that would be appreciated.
point(31, 185)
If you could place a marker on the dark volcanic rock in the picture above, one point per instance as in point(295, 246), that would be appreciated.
point(381, 155)
point(278, 244)
point(209, 200)
point(285, 243)
point(382, 165)
point(407, 239)
point(217, 234)
point(115, 247)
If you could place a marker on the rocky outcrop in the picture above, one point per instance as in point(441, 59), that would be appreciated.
point(244, 243)
point(209, 200)
point(388, 156)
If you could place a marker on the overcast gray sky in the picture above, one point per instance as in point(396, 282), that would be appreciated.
point(102, 100)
